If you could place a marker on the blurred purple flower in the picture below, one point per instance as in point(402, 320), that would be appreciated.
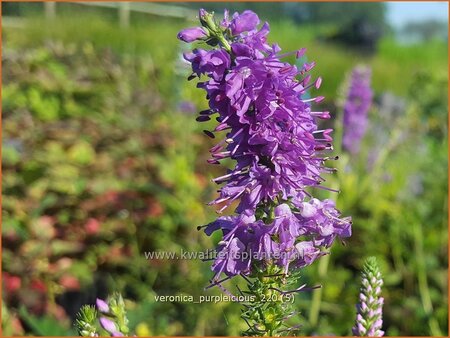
point(187, 107)
point(356, 107)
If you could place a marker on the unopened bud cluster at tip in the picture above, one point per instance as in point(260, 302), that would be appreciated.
point(370, 306)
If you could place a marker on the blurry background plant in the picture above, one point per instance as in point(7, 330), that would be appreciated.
point(107, 318)
point(102, 160)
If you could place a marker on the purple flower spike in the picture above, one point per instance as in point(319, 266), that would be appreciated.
point(108, 325)
point(191, 34)
point(370, 307)
point(270, 131)
point(102, 306)
point(356, 107)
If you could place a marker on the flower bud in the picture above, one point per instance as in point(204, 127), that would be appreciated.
point(191, 34)
point(202, 14)
point(102, 306)
point(369, 310)
point(108, 325)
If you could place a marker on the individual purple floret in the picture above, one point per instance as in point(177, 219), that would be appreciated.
point(247, 21)
point(370, 306)
point(113, 317)
point(356, 107)
point(102, 306)
point(108, 325)
point(272, 136)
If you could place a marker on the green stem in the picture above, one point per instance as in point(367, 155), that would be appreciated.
point(338, 133)
point(224, 42)
point(317, 295)
point(266, 313)
point(216, 31)
point(423, 282)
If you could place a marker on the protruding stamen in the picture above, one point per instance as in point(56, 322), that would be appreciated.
point(221, 127)
point(221, 155)
point(300, 53)
point(216, 148)
point(318, 82)
point(319, 99)
point(206, 112)
point(224, 177)
point(202, 118)
point(306, 80)
point(286, 69)
point(209, 134)
point(308, 66)
point(329, 189)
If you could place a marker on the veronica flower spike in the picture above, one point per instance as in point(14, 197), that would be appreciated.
point(268, 128)
point(109, 314)
point(370, 306)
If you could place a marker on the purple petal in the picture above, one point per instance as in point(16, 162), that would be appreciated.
point(191, 34)
point(108, 325)
point(244, 22)
point(102, 306)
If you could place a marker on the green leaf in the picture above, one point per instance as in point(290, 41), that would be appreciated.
point(60, 247)
point(82, 153)
point(10, 156)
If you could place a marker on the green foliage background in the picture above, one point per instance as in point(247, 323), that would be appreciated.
point(100, 164)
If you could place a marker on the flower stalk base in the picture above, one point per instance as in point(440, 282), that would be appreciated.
point(272, 307)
